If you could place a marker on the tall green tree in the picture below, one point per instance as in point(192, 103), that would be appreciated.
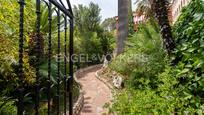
point(87, 18)
point(88, 31)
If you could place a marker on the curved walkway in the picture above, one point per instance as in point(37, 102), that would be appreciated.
point(96, 93)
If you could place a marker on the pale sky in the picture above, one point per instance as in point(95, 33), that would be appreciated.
point(109, 8)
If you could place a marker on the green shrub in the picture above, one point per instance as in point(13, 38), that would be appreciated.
point(9, 46)
point(7, 107)
point(143, 60)
point(137, 102)
point(180, 87)
point(170, 97)
point(189, 32)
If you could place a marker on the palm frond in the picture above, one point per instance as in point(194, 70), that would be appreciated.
point(143, 7)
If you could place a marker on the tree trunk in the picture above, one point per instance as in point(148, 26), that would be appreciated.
point(123, 6)
point(161, 13)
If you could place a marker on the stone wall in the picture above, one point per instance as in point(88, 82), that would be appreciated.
point(79, 104)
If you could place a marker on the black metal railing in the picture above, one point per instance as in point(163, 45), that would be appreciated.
point(66, 12)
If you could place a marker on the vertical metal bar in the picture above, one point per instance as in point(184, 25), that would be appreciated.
point(20, 107)
point(70, 81)
point(49, 54)
point(58, 64)
point(38, 13)
point(65, 65)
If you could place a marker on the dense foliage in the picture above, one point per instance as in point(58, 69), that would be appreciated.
point(179, 84)
point(92, 41)
point(143, 59)
point(155, 83)
point(189, 32)
point(9, 38)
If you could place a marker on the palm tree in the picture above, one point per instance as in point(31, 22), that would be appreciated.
point(144, 7)
point(123, 7)
point(158, 9)
point(161, 14)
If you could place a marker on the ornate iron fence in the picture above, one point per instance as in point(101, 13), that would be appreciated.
point(66, 10)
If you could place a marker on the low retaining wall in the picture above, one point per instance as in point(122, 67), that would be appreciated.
point(86, 69)
point(103, 80)
point(79, 104)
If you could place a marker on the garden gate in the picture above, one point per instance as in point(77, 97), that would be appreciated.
point(66, 10)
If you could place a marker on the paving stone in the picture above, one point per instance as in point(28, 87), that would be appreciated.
point(96, 94)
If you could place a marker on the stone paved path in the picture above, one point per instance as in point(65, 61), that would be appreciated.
point(96, 93)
